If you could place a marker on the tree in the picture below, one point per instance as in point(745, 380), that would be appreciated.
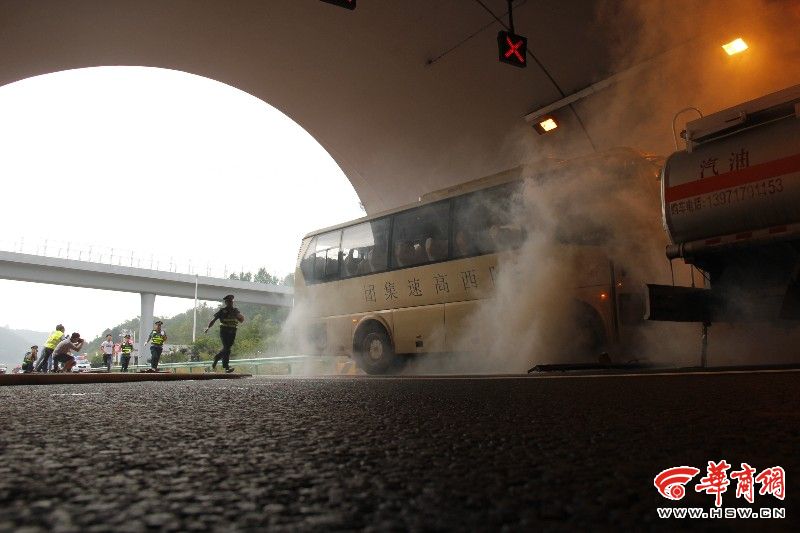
point(262, 276)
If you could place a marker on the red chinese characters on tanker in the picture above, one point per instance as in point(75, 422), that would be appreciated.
point(739, 183)
point(733, 195)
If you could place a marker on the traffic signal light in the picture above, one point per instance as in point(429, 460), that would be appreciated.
point(512, 49)
point(349, 4)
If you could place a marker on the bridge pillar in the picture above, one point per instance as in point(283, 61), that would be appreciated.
point(145, 324)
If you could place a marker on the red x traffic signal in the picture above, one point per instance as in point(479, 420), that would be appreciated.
point(513, 49)
point(349, 4)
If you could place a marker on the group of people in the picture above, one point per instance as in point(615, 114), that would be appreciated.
point(125, 350)
point(57, 357)
point(59, 347)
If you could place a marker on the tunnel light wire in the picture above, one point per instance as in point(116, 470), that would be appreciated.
point(470, 36)
point(542, 68)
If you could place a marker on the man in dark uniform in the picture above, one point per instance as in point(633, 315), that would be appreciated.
point(125, 351)
point(157, 339)
point(229, 318)
point(29, 359)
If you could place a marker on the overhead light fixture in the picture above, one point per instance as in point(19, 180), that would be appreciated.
point(735, 46)
point(545, 125)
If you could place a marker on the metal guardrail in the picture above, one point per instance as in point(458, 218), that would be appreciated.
point(276, 365)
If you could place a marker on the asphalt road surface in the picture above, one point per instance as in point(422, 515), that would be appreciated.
point(387, 454)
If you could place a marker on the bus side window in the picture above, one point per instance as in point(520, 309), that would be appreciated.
point(307, 263)
point(469, 221)
point(436, 249)
point(421, 235)
point(364, 248)
point(327, 256)
point(483, 221)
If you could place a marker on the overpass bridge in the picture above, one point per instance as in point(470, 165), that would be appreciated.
point(148, 283)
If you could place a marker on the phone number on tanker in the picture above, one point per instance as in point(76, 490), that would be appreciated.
point(728, 196)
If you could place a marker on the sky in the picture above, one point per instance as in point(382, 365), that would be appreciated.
point(155, 168)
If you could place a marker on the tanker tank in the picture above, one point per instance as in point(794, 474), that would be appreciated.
point(738, 181)
point(731, 208)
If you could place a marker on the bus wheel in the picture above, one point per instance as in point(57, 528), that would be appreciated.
point(376, 353)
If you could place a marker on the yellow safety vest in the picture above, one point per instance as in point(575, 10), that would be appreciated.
point(227, 317)
point(53, 340)
point(157, 337)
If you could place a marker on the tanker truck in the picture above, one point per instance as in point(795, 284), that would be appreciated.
point(731, 208)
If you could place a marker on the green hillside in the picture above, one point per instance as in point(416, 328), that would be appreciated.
point(15, 342)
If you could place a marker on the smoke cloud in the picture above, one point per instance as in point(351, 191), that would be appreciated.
point(672, 50)
point(671, 56)
point(579, 217)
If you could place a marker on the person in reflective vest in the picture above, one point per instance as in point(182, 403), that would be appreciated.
point(27, 361)
point(125, 351)
point(50, 345)
point(229, 318)
point(156, 339)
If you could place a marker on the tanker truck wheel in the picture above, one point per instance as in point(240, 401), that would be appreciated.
point(375, 353)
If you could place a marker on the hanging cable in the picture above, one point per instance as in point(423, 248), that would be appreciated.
point(433, 60)
point(535, 59)
point(471, 35)
point(544, 70)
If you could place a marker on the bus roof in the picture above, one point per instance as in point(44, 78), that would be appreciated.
point(506, 176)
point(541, 169)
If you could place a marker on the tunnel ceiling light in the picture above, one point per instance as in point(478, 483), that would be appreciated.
point(735, 46)
point(548, 124)
point(545, 125)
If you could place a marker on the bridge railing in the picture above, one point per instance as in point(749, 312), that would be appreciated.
point(118, 256)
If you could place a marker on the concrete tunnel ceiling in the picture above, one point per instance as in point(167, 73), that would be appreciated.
point(408, 96)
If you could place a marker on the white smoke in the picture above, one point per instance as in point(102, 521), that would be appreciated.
point(531, 317)
point(578, 216)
